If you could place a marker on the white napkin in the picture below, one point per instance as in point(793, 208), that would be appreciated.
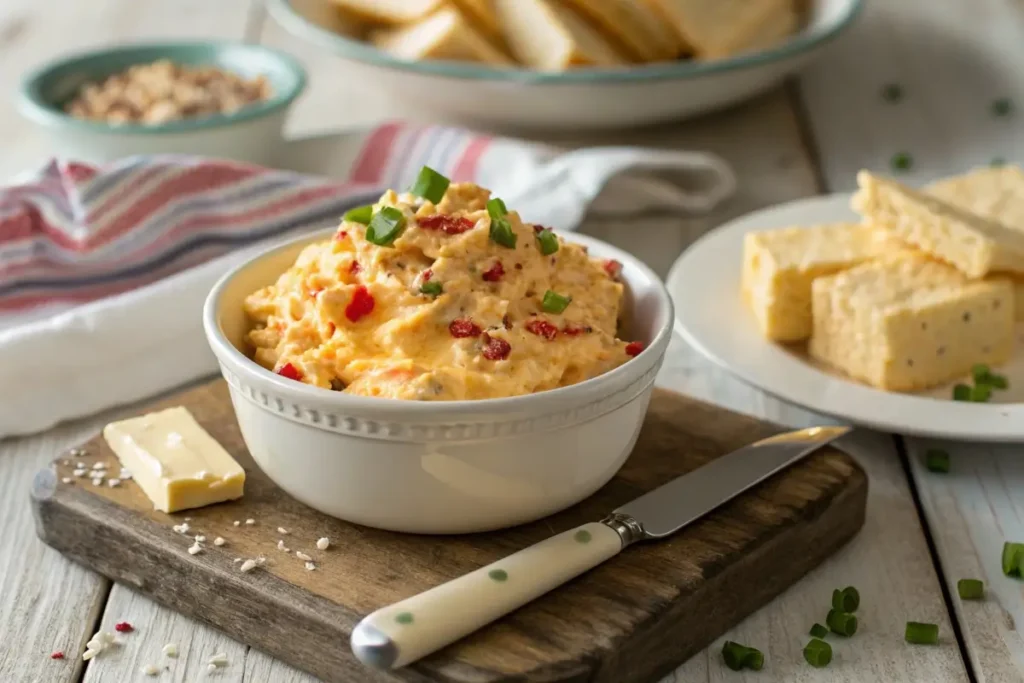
point(63, 359)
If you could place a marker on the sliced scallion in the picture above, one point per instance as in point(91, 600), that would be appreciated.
point(496, 208)
point(980, 373)
point(819, 631)
point(733, 654)
point(554, 302)
point(846, 600)
point(385, 226)
point(547, 242)
point(501, 233)
point(430, 185)
point(818, 653)
point(842, 623)
point(981, 393)
point(936, 460)
point(1013, 559)
point(922, 634)
point(360, 214)
point(961, 392)
point(431, 288)
point(902, 161)
point(754, 659)
point(970, 589)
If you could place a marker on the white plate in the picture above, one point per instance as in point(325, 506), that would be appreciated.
point(710, 315)
point(577, 99)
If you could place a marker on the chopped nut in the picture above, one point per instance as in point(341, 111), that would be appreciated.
point(219, 541)
point(248, 566)
point(236, 523)
point(323, 543)
point(250, 521)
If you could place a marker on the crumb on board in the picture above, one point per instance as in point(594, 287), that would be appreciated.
point(323, 543)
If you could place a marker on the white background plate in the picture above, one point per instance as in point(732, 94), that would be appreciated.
point(711, 316)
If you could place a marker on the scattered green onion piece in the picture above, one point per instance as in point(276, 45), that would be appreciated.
point(843, 623)
point(922, 634)
point(430, 185)
point(980, 373)
point(431, 288)
point(970, 589)
point(892, 93)
point(496, 208)
point(818, 653)
point(1013, 559)
point(846, 600)
point(734, 655)
point(819, 631)
point(501, 232)
point(753, 659)
point(936, 460)
point(547, 242)
point(901, 161)
point(385, 226)
point(998, 381)
point(1002, 107)
point(961, 392)
point(360, 214)
point(981, 393)
point(554, 302)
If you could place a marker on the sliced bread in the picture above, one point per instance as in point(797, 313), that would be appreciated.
point(714, 29)
point(634, 27)
point(444, 35)
point(549, 36)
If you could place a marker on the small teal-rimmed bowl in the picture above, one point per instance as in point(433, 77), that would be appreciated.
point(582, 98)
point(252, 134)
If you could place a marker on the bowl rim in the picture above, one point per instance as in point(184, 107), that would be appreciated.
point(553, 399)
point(804, 41)
point(37, 108)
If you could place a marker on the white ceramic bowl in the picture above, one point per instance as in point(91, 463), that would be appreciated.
point(438, 467)
point(253, 134)
point(581, 98)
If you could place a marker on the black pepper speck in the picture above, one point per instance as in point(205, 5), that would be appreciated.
point(967, 316)
point(942, 350)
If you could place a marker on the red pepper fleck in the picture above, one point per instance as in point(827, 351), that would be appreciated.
point(355, 267)
point(539, 228)
point(341, 234)
point(464, 327)
point(449, 225)
point(289, 371)
point(427, 274)
point(57, 655)
point(573, 331)
point(634, 348)
point(360, 305)
point(542, 328)
point(506, 321)
point(519, 266)
point(495, 348)
point(494, 273)
point(123, 627)
point(613, 268)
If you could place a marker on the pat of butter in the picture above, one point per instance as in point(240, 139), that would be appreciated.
point(177, 464)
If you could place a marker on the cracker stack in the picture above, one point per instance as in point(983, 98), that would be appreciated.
point(928, 285)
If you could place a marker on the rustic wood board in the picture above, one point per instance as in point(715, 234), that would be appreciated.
point(630, 621)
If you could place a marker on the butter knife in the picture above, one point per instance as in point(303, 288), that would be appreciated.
point(406, 631)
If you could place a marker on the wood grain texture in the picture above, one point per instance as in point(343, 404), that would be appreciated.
point(612, 625)
point(971, 511)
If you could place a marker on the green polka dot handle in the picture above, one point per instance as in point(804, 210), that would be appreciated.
point(413, 628)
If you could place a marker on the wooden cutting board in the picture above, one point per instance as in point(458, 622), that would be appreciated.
point(631, 620)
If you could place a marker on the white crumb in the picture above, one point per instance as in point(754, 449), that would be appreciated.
point(260, 561)
point(80, 472)
point(195, 549)
point(310, 566)
point(181, 528)
point(250, 521)
point(150, 670)
point(99, 466)
point(219, 659)
point(66, 480)
point(282, 530)
point(200, 539)
point(211, 668)
point(323, 543)
point(281, 546)
point(97, 481)
point(112, 483)
point(237, 560)
point(303, 556)
point(248, 566)
point(170, 650)
point(237, 523)
point(219, 541)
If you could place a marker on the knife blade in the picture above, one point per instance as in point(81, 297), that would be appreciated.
point(406, 631)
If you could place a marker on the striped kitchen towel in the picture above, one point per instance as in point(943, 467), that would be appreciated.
point(103, 271)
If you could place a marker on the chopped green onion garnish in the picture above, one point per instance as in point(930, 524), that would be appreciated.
point(432, 288)
point(846, 600)
point(981, 393)
point(430, 185)
point(818, 653)
point(554, 302)
point(902, 161)
point(843, 623)
point(547, 242)
point(496, 208)
point(819, 631)
point(922, 634)
point(980, 373)
point(970, 589)
point(997, 381)
point(1013, 559)
point(502, 233)
point(385, 226)
point(961, 392)
point(1002, 106)
point(892, 93)
point(738, 656)
point(936, 460)
point(360, 214)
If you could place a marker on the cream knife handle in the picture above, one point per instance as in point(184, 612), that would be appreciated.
point(413, 628)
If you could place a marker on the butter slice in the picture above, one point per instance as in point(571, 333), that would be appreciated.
point(910, 324)
point(177, 464)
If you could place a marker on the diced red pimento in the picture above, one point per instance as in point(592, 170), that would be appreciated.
point(427, 274)
point(449, 225)
point(461, 328)
point(289, 371)
point(494, 273)
point(124, 627)
point(57, 655)
point(495, 348)
point(575, 330)
point(354, 267)
point(361, 304)
point(341, 234)
point(634, 348)
point(542, 328)
point(613, 268)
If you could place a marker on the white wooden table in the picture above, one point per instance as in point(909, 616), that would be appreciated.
point(923, 531)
